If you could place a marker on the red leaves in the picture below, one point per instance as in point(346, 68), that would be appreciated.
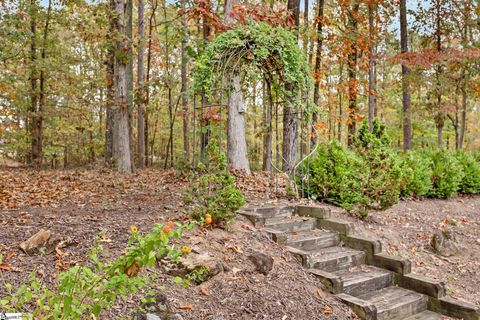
point(428, 57)
point(241, 13)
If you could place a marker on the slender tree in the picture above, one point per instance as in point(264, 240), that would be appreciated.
point(318, 60)
point(407, 117)
point(352, 62)
point(140, 88)
point(184, 86)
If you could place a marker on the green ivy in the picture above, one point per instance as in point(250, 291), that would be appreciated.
point(274, 51)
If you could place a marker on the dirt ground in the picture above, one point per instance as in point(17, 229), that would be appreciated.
point(82, 204)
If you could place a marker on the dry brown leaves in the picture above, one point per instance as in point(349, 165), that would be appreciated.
point(49, 188)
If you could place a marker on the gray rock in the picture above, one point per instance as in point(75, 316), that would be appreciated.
point(196, 261)
point(262, 262)
point(444, 243)
point(152, 316)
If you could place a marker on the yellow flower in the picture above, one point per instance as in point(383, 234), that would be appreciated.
point(186, 249)
point(133, 229)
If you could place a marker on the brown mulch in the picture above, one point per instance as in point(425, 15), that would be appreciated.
point(82, 204)
point(407, 229)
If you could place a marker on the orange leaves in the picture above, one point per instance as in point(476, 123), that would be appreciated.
point(5, 266)
point(327, 310)
point(10, 255)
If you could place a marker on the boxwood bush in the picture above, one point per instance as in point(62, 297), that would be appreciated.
point(471, 169)
point(447, 174)
point(417, 167)
point(371, 175)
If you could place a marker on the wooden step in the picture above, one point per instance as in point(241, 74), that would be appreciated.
point(427, 315)
point(259, 216)
point(335, 258)
point(394, 303)
point(291, 224)
point(355, 281)
point(363, 279)
point(313, 239)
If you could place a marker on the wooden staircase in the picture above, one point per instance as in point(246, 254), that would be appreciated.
point(375, 285)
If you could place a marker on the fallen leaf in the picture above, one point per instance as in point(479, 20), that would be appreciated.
point(327, 310)
point(185, 307)
point(321, 294)
point(9, 255)
point(204, 291)
point(5, 266)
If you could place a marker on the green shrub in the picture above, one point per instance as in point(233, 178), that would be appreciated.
point(385, 177)
point(84, 291)
point(215, 192)
point(471, 169)
point(417, 168)
point(447, 174)
point(367, 177)
point(333, 174)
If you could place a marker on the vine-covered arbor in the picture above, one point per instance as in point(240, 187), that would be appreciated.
point(258, 51)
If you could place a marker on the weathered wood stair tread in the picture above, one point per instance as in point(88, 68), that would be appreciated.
point(427, 315)
point(291, 224)
point(395, 303)
point(363, 278)
point(312, 239)
point(336, 258)
point(367, 289)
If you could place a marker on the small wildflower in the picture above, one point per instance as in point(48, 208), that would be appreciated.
point(133, 229)
point(166, 229)
point(186, 249)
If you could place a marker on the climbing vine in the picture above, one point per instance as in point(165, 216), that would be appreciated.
point(272, 50)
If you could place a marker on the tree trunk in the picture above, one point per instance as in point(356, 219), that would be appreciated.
point(407, 117)
point(147, 88)
point(186, 143)
point(34, 156)
point(340, 107)
point(129, 34)
point(122, 154)
point(204, 122)
point(140, 88)
point(290, 117)
point(371, 68)
point(237, 155)
point(352, 73)
point(463, 121)
point(267, 125)
point(316, 72)
point(440, 114)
